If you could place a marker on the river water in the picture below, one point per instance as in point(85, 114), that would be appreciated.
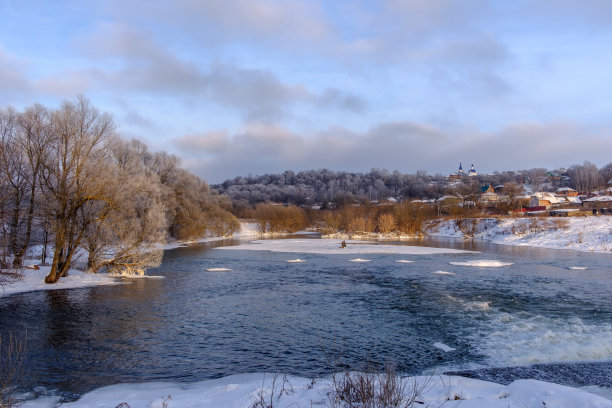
point(536, 318)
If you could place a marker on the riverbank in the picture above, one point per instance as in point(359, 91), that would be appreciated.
point(587, 234)
point(260, 390)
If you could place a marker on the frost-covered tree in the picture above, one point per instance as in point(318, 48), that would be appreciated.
point(73, 189)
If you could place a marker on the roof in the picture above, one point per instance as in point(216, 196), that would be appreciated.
point(599, 199)
point(550, 197)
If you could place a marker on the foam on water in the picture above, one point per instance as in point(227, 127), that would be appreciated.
point(521, 339)
point(483, 263)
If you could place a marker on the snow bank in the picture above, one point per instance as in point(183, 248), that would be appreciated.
point(240, 391)
point(329, 246)
point(589, 234)
point(33, 280)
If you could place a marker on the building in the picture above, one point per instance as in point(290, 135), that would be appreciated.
point(472, 172)
point(544, 199)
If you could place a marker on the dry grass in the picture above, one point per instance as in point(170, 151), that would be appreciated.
point(12, 350)
point(266, 397)
point(371, 389)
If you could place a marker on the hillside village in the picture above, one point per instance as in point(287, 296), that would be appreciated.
point(579, 190)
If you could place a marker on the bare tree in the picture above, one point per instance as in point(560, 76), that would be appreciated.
point(77, 148)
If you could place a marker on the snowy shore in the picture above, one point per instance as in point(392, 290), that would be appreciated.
point(587, 234)
point(243, 391)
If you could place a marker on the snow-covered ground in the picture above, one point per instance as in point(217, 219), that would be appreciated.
point(33, 280)
point(243, 391)
point(332, 246)
point(589, 234)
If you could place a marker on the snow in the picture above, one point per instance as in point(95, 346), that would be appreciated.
point(588, 234)
point(330, 246)
point(33, 280)
point(483, 263)
point(241, 391)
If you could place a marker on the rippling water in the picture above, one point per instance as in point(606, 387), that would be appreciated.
point(305, 318)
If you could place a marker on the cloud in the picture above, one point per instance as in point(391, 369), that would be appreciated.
point(13, 81)
point(138, 63)
point(404, 146)
point(284, 23)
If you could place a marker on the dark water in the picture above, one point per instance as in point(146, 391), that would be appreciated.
point(536, 316)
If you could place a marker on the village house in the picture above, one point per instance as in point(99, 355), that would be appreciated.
point(544, 199)
point(598, 203)
point(567, 191)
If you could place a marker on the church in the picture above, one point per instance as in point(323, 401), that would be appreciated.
point(457, 176)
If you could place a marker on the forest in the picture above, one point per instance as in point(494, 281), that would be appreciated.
point(69, 184)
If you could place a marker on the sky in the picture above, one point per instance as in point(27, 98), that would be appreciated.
point(238, 87)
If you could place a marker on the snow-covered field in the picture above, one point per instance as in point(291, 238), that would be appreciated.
point(589, 234)
point(243, 391)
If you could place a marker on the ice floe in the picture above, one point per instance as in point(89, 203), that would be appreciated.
point(404, 261)
point(443, 273)
point(218, 269)
point(483, 263)
point(298, 260)
point(443, 347)
point(330, 246)
point(360, 260)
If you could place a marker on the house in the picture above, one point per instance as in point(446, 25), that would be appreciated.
point(598, 202)
point(567, 191)
point(490, 197)
point(487, 189)
point(544, 199)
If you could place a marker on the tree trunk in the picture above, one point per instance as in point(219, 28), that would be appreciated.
point(18, 261)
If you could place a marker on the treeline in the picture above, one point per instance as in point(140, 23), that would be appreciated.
point(324, 187)
point(68, 182)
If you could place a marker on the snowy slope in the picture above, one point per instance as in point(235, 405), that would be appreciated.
point(590, 234)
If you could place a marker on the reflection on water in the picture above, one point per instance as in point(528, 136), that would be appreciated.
point(269, 315)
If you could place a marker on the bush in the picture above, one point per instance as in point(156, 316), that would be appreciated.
point(11, 369)
point(371, 389)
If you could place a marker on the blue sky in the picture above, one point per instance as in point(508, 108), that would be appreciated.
point(257, 86)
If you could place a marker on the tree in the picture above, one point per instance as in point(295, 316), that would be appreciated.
point(76, 150)
point(125, 234)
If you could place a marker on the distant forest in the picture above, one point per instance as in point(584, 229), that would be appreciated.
point(323, 187)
